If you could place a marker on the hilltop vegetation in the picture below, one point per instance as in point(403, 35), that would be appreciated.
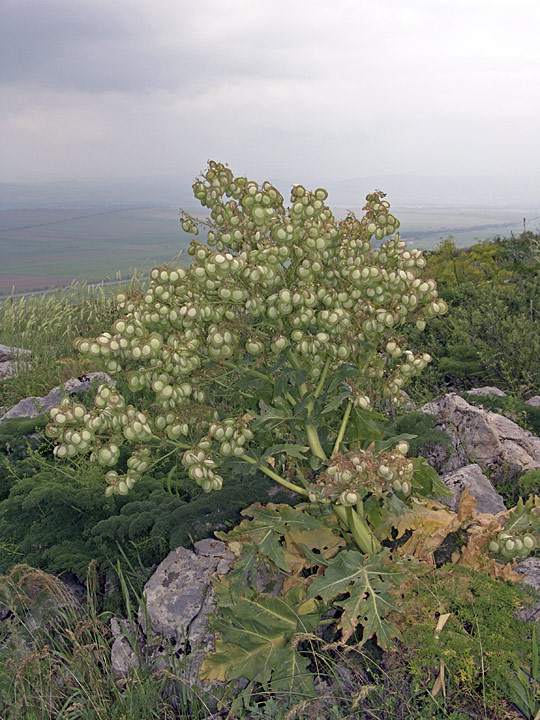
point(55, 517)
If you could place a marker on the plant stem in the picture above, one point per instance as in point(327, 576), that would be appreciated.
point(314, 442)
point(361, 532)
point(343, 427)
point(311, 430)
point(322, 379)
point(275, 476)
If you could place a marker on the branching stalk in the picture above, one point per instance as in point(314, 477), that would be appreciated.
point(275, 476)
point(342, 428)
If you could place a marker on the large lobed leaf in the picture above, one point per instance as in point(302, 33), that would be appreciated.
point(258, 641)
point(365, 582)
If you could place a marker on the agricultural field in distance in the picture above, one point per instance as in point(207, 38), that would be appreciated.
point(53, 247)
point(45, 248)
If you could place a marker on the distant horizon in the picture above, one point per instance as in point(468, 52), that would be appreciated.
point(403, 190)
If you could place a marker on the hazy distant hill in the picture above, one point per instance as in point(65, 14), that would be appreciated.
point(91, 194)
point(518, 192)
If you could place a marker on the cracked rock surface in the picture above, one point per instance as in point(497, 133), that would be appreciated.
point(11, 360)
point(472, 477)
point(483, 437)
point(179, 596)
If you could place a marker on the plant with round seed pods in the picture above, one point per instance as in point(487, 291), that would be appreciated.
point(279, 350)
point(272, 286)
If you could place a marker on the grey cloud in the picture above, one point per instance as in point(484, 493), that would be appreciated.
point(103, 47)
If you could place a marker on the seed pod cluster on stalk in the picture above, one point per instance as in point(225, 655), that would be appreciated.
point(519, 537)
point(267, 282)
point(351, 476)
point(511, 545)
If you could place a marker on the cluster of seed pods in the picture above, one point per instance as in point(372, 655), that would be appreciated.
point(268, 280)
point(513, 545)
point(100, 432)
point(348, 477)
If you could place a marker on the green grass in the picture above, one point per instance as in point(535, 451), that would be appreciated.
point(47, 325)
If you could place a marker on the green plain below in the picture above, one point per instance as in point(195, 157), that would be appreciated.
point(51, 247)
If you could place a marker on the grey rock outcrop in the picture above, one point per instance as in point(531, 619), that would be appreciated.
point(480, 436)
point(179, 596)
point(487, 390)
point(534, 401)
point(11, 358)
point(472, 477)
point(126, 648)
point(530, 569)
point(172, 621)
point(34, 406)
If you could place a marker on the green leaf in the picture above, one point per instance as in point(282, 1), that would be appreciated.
point(525, 515)
point(257, 642)
point(366, 425)
point(388, 443)
point(272, 416)
point(366, 581)
point(267, 527)
point(344, 371)
point(297, 451)
point(336, 402)
point(240, 576)
point(427, 479)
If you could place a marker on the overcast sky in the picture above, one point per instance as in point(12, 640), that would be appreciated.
point(307, 90)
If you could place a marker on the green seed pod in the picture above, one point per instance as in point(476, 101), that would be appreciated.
point(348, 498)
point(494, 546)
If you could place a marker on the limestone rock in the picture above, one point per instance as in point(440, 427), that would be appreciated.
point(34, 406)
point(487, 390)
point(491, 440)
point(472, 477)
point(11, 358)
point(12, 353)
point(179, 596)
point(124, 656)
point(534, 401)
point(530, 569)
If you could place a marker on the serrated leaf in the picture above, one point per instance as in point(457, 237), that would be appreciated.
point(381, 445)
point(321, 539)
point(240, 575)
point(524, 515)
point(257, 642)
point(430, 524)
point(366, 580)
point(366, 427)
point(336, 402)
point(266, 528)
point(367, 605)
point(344, 371)
point(291, 673)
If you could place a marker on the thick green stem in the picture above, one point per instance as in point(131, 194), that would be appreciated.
point(311, 430)
point(359, 529)
point(343, 427)
point(314, 442)
point(275, 476)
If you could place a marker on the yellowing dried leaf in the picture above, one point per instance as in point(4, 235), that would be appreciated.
point(467, 506)
point(430, 524)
